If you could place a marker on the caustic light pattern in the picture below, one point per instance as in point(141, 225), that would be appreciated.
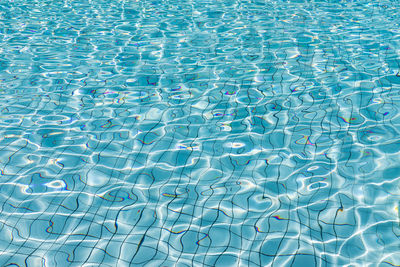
point(199, 133)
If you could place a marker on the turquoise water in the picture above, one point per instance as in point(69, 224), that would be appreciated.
point(199, 133)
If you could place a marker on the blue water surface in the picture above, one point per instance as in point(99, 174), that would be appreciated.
point(199, 133)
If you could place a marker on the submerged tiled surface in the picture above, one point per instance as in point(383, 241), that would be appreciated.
point(199, 133)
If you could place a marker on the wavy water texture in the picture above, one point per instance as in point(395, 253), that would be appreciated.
point(199, 133)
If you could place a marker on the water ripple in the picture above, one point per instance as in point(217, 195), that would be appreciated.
point(199, 133)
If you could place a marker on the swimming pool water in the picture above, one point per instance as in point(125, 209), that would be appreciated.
point(199, 133)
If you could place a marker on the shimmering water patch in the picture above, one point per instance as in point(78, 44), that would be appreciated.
point(199, 133)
